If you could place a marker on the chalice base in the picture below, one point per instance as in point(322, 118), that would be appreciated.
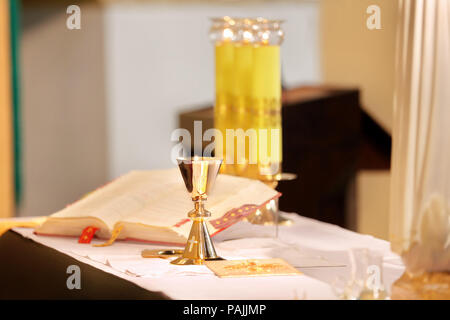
point(199, 247)
point(428, 286)
point(186, 261)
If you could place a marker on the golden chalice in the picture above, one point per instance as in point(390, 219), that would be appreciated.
point(199, 175)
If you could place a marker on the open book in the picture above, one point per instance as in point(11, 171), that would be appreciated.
point(153, 205)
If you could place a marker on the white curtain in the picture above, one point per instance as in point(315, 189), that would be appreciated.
point(420, 196)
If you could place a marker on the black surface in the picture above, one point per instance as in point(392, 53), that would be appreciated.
point(29, 270)
point(376, 146)
point(321, 143)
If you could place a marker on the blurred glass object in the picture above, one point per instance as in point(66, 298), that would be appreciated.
point(366, 277)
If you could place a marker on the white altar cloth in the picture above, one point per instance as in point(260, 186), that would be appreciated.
point(317, 249)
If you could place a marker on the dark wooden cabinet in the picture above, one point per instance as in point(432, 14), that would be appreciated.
point(321, 138)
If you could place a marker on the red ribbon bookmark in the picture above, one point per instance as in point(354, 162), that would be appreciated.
point(87, 235)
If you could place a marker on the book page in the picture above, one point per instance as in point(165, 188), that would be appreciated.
point(171, 207)
point(124, 196)
point(159, 198)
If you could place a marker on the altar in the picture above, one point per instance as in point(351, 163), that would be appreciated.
point(38, 266)
point(310, 160)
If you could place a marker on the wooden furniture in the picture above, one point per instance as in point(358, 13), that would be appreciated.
point(321, 138)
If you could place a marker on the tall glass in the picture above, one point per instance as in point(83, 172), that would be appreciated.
point(266, 100)
point(248, 95)
point(223, 34)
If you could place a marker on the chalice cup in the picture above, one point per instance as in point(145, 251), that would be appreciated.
point(199, 175)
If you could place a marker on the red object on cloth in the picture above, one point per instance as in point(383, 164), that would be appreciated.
point(233, 216)
point(87, 235)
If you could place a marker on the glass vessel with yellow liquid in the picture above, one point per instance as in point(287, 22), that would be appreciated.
point(265, 96)
point(248, 95)
point(248, 102)
point(223, 34)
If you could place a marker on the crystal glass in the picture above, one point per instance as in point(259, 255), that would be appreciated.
point(366, 277)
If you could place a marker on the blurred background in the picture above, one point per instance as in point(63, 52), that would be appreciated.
point(80, 107)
